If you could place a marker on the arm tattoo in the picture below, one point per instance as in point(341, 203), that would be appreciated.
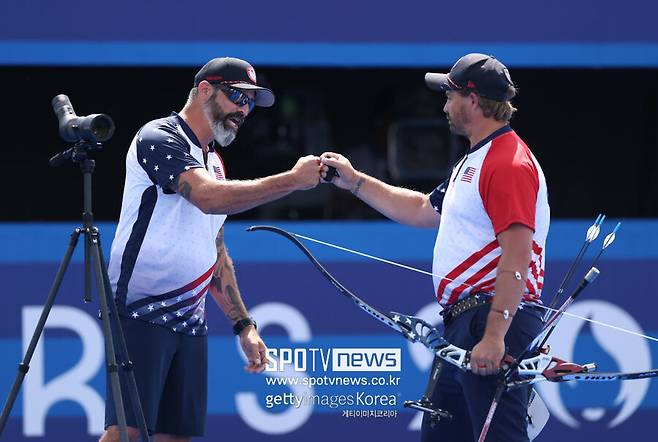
point(184, 189)
point(357, 187)
point(223, 285)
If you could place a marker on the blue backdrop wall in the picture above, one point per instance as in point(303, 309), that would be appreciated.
point(62, 397)
point(339, 33)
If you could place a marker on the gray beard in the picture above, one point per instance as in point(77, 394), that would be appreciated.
point(222, 135)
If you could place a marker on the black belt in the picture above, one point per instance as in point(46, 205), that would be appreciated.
point(477, 300)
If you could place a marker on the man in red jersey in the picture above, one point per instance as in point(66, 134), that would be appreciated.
point(492, 216)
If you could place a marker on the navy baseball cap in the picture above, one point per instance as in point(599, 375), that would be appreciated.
point(237, 74)
point(482, 73)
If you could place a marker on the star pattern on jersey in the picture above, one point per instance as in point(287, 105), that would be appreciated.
point(166, 155)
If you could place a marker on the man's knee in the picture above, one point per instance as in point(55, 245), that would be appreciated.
point(112, 434)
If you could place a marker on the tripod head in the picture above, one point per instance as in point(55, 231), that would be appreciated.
point(78, 153)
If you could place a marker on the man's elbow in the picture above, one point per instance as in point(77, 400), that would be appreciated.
point(212, 203)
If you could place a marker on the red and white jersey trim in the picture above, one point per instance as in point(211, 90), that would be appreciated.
point(498, 184)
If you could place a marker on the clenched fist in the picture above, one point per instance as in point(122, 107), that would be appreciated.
point(347, 175)
point(307, 172)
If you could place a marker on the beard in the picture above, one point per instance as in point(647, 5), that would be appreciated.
point(218, 121)
point(458, 120)
point(457, 127)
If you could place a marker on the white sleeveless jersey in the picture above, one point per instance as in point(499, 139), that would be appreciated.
point(497, 184)
point(164, 251)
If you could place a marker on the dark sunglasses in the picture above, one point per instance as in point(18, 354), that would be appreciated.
point(238, 97)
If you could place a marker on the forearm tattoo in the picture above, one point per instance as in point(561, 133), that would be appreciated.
point(223, 284)
point(357, 187)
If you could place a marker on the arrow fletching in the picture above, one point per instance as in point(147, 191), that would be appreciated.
point(611, 236)
point(595, 229)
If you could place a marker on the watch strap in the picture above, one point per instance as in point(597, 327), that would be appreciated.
point(242, 324)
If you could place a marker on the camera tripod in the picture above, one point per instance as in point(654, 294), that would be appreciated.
point(108, 309)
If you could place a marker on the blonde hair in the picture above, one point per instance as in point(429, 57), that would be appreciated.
point(498, 110)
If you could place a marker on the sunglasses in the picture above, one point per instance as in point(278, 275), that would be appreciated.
point(238, 97)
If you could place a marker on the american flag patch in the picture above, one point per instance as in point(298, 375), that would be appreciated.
point(218, 173)
point(468, 174)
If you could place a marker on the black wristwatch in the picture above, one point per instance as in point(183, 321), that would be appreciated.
point(242, 324)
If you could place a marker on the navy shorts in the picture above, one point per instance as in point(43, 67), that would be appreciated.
point(171, 371)
point(468, 396)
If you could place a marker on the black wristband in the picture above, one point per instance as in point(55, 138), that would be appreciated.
point(242, 324)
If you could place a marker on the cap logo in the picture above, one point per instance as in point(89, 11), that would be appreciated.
point(213, 77)
point(471, 85)
point(251, 74)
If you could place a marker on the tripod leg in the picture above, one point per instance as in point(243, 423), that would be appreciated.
point(87, 274)
point(126, 363)
point(24, 366)
point(112, 367)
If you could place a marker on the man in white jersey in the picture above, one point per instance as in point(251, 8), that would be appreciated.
point(492, 217)
point(169, 250)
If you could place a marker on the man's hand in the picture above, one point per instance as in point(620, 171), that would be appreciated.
point(487, 356)
point(254, 349)
point(348, 176)
point(307, 172)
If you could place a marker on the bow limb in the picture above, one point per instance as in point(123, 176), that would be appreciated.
point(386, 319)
point(412, 328)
